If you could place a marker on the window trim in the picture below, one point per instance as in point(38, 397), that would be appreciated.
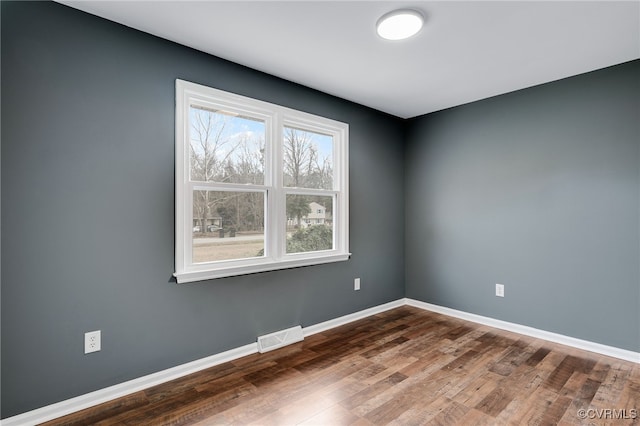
point(276, 118)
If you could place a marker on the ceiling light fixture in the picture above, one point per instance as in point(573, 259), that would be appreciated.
point(400, 24)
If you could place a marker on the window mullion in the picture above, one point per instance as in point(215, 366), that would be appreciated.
point(278, 220)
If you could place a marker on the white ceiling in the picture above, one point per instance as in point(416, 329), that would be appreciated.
point(468, 50)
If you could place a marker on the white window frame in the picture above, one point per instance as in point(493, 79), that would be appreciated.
point(276, 118)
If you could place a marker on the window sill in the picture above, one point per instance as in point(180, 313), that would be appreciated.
point(209, 274)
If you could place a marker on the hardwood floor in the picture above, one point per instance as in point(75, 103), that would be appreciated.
point(401, 367)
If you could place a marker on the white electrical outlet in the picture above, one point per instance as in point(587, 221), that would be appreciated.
point(500, 290)
point(356, 284)
point(92, 341)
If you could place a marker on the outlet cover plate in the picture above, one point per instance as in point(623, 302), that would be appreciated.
point(92, 341)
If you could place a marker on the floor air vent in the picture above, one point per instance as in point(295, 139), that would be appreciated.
point(281, 338)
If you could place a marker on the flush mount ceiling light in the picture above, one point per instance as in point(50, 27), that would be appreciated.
point(399, 24)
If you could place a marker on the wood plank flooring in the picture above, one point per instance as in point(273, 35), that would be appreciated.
point(401, 367)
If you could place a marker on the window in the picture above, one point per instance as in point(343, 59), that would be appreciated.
point(259, 187)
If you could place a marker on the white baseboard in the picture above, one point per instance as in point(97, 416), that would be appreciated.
point(327, 325)
point(530, 331)
point(91, 399)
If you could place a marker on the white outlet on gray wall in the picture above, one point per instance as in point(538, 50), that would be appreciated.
point(92, 341)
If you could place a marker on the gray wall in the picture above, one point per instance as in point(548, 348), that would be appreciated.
point(88, 211)
point(537, 190)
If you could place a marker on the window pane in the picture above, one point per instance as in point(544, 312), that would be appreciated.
point(308, 159)
point(227, 225)
point(226, 147)
point(309, 223)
